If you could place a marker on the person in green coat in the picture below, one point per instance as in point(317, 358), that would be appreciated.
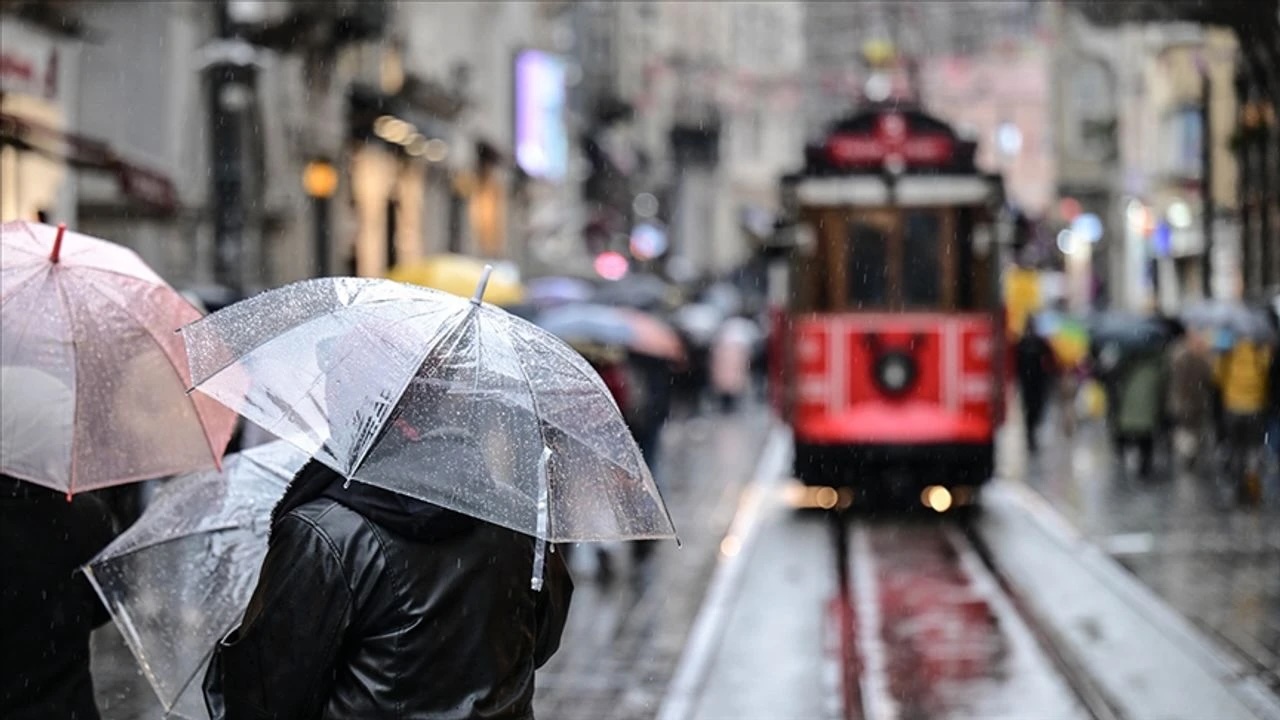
point(1136, 405)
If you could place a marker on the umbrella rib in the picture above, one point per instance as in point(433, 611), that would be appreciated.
point(75, 395)
point(533, 399)
point(155, 339)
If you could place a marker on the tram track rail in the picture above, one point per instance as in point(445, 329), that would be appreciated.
point(1093, 698)
point(858, 544)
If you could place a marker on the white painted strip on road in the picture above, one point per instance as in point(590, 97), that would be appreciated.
point(877, 701)
point(708, 627)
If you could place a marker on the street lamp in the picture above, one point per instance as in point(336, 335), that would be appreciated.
point(320, 182)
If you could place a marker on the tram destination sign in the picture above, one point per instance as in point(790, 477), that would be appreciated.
point(894, 140)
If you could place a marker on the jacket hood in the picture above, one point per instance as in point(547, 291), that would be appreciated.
point(405, 516)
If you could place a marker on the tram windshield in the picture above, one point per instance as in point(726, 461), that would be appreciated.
point(901, 259)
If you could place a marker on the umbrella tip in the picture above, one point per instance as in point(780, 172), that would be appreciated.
point(480, 286)
point(57, 250)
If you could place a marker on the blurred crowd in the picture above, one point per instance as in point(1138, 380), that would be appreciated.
point(1199, 391)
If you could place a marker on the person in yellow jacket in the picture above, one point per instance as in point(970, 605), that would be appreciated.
point(1241, 373)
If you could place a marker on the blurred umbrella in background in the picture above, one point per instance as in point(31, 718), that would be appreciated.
point(90, 316)
point(179, 579)
point(558, 290)
point(459, 275)
point(1068, 336)
point(1236, 317)
point(1127, 331)
point(600, 324)
point(642, 291)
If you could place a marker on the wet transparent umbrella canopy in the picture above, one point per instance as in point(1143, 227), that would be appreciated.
point(94, 383)
point(437, 397)
point(180, 577)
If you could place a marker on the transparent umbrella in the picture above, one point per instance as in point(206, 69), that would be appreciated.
point(180, 577)
point(440, 398)
point(91, 318)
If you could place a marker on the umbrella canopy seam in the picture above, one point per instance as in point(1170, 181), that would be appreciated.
point(75, 395)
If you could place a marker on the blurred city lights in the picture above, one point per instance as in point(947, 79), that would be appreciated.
point(648, 241)
point(1179, 214)
point(730, 546)
point(936, 498)
point(1009, 139)
point(1087, 226)
point(1069, 208)
point(611, 265)
point(1139, 218)
point(436, 150)
point(320, 179)
point(645, 205)
point(1069, 242)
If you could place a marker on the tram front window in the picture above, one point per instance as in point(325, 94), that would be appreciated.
point(867, 272)
point(921, 259)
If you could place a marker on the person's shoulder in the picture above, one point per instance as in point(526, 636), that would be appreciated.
point(330, 519)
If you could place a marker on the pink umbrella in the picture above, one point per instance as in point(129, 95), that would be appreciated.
point(95, 376)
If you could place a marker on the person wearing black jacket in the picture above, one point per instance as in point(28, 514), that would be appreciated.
point(371, 604)
point(47, 607)
point(1036, 370)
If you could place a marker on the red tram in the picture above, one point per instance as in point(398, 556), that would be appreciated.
point(889, 348)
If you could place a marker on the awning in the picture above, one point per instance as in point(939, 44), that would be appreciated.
point(148, 187)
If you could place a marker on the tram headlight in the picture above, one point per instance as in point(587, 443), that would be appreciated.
point(895, 371)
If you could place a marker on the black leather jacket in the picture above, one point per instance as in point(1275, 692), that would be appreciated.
point(373, 605)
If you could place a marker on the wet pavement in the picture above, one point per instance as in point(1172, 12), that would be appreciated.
point(625, 633)
point(1185, 533)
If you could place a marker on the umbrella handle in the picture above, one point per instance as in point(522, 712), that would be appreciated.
point(480, 286)
point(57, 250)
point(544, 510)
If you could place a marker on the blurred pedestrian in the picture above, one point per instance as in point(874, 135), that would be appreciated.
point(47, 607)
point(648, 397)
point(1273, 396)
point(1242, 371)
point(731, 356)
point(1189, 396)
point(372, 604)
point(1137, 404)
point(1036, 369)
